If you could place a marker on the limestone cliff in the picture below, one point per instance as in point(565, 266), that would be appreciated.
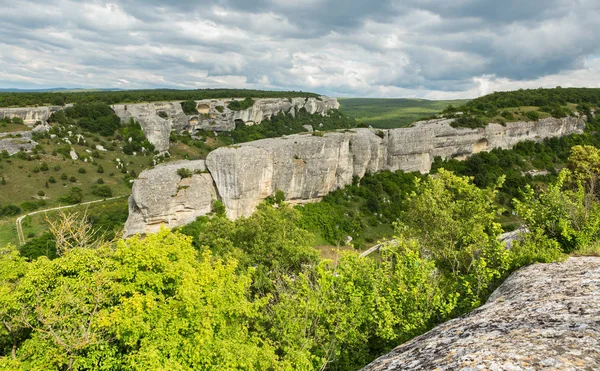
point(160, 196)
point(545, 316)
point(158, 119)
point(30, 115)
point(306, 167)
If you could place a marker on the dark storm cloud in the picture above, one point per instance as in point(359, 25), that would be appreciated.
point(432, 48)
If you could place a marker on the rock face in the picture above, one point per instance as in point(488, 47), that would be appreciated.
point(545, 316)
point(159, 118)
point(160, 196)
point(30, 115)
point(307, 167)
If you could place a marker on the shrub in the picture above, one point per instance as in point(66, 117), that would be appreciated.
point(101, 190)
point(72, 179)
point(189, 107)
point(74, 196)
point(9, 210)
point(41, 193)
point(533, 115)
point(236, 105)
point(81, 170)
point(64, 176)
point(51, 180)
point(44, 166)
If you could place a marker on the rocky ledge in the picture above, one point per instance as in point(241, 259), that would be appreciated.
point(306, 167)
point(158, 119)
point(543, 317)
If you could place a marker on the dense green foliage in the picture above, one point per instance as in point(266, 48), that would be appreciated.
point(355, 210)
point(135, 139)
point(138, 96)
point(251, 294)
point(535, 97)
point(237, 105)
point(188, 107)
point(93, 117)
point(525, 105)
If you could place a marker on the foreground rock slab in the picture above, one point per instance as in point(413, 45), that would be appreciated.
point(543, 317)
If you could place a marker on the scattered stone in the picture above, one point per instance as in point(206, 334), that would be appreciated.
point(73, 154)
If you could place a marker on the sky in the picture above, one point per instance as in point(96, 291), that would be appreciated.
point(433, 49)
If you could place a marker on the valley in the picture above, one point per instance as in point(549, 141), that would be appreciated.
point(241, 209)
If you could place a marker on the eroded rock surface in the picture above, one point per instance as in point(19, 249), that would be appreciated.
point(159, 118)
point(543, 317)
point(160, 196)
point(30, 115)
point(17, 141)
point(307, 167)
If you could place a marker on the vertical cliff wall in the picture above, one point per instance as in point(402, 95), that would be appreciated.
point(160, 118)
point(30, 115)
point(307, 167)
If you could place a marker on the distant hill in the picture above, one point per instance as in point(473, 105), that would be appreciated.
point(393, 113)
point(52, 90)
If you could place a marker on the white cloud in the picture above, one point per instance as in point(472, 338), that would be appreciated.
point(415, 49)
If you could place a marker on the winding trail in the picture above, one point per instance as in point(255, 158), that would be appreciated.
point(20, 234)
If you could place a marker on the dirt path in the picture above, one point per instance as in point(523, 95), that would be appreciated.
point(20, 234)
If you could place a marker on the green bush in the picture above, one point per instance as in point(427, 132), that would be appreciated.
point(189, 107)
point(101, 190)
point(533, 115)
point(74, 196)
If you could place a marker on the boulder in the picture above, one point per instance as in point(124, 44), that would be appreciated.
point(160, 196)
point(544, 316)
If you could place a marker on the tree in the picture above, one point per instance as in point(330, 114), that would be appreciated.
point(584, 163)
point(454, 224)
point(564, 212)
point(12, 268)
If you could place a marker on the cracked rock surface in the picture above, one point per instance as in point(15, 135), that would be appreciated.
point(543, 317)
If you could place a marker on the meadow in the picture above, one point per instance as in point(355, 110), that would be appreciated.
point(393, 113)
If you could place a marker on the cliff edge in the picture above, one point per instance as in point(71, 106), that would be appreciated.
point(543, 317)
point(306, 167)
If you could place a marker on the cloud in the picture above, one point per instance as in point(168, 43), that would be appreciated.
point(414, 48)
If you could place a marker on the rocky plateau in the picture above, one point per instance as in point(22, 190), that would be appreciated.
point(158, 119)
point(306, 167)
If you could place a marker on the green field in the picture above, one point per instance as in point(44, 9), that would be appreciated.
point(393, 113)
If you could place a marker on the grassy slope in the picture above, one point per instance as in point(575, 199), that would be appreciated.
point(392, 113)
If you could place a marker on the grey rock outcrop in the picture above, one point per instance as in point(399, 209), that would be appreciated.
point(16, 142)
point(160, 196)
point(307, 167)
point(158, 119)
point(543, 317)
point(30, 115)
